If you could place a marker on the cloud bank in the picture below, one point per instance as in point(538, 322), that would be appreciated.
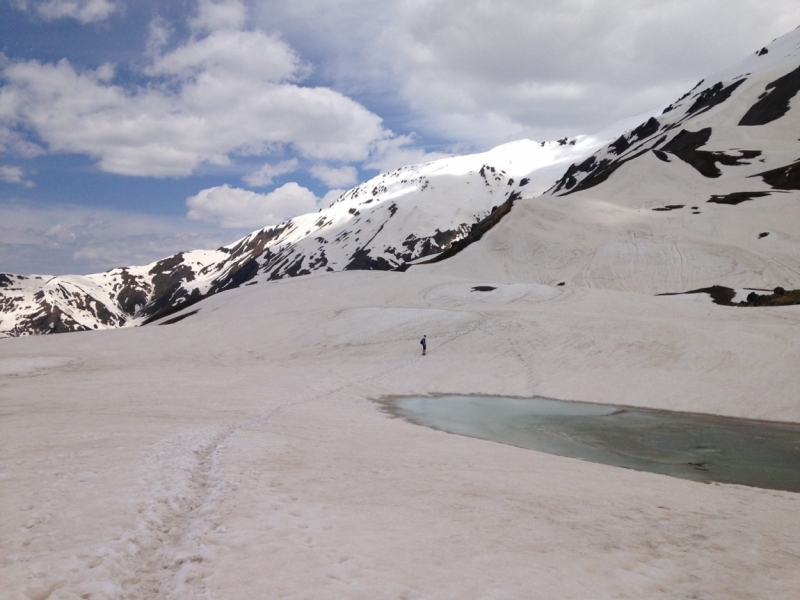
point(237, 208)
point(85, 11)
point(223, 94)
point(479, 73)
point(62, 238)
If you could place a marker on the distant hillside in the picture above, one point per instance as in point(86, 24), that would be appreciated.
point(385, 223)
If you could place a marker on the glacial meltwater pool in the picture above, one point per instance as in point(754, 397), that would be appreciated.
point(690, 446)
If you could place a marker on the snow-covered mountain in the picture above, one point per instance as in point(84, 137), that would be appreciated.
point(736, 124)
point(704, 193)
point(390, 220)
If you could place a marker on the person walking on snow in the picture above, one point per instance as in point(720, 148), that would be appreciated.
point(424, 343)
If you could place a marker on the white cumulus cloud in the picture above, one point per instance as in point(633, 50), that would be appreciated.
point(235, 207)
point(14, 175)
point(211, 99)
point(480, 72)
point(265, 175)
point(85, 11)
point(335, 177)
point(399, 151)
point(219, 14)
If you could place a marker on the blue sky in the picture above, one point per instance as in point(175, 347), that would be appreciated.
point(132, 130)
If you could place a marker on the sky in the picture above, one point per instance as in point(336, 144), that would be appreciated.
point(130, 130)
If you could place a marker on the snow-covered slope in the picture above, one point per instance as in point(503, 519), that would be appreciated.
point(384, 223)
point(740, 123)
point(706, 193)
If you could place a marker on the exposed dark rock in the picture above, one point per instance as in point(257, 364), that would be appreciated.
point(713, 96)
point(167, 264)
point(411, 242)
point(568, 180)
point(96, 308)
point(362, 261)
point(687, 141)
point(775, 103)
point(5, 280)
point(295, 270)
point(719, 294)
point(619, 145)
point(191, 299)
point(763, 234)
point(783, 178)
point(400, 256)
point(661, 155)
point(236, 276)
point(477, 230)
point(779, 297)
point(724, 296)
point(483, 288)
point(443, 239)
point(597, 171)
point(762, 52)
point(169, 275)
point(737, 197)
point(132, 294)
point(318, 263)
point(524, 181)
point(685, 146)
point(669, 207)
point(681, 99)
point(174, 297)
point(645, 130)
point(51, 319)
point(180, 317)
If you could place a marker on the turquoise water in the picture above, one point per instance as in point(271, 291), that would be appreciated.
point(689, 446)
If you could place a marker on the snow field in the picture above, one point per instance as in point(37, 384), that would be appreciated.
point(240, 453)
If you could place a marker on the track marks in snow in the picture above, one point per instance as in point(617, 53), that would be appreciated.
point(169, 554)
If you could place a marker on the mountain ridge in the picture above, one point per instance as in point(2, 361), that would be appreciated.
point(731, 131)
point(382, 224)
